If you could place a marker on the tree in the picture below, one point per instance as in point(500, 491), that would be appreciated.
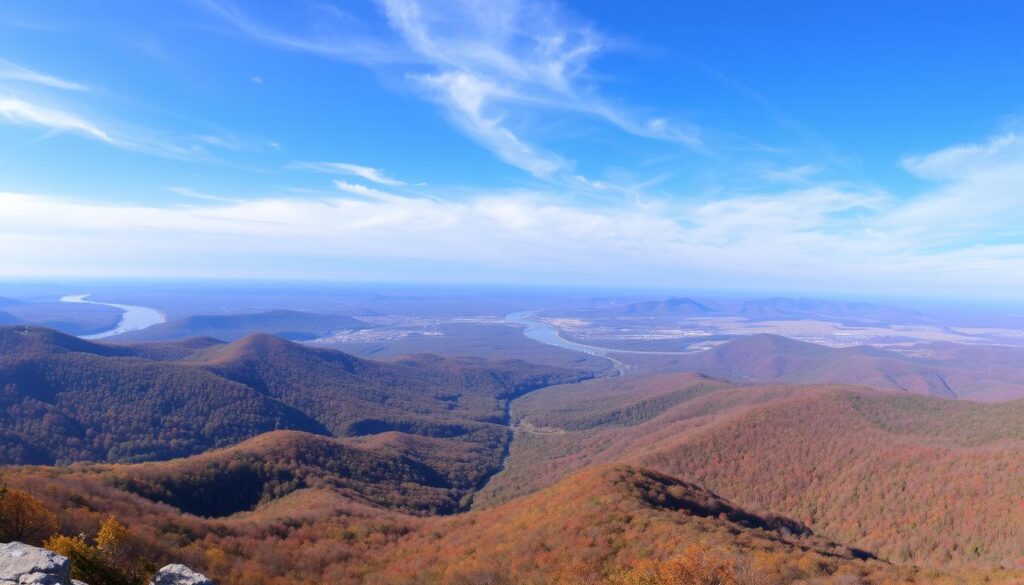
point(24, 518)
point(112, 536)
point(105, 563)
point(3, 494)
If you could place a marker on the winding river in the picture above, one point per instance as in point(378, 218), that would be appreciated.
point(545, 333)
point(133, 317)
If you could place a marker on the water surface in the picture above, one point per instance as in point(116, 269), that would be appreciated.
point(133, 317)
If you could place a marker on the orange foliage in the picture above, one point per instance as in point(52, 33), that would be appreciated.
point(24, 518)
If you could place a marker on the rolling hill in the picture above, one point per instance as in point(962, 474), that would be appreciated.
point(617, 524)
point(624, 524)
point(263, 460)
point(914, 479)
point(294, 325)
point(274, 465)
point(951, 370)
point(64, 399)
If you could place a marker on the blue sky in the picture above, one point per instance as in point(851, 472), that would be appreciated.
point(869, 147)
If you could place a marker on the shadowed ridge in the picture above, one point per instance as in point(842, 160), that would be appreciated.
point(270, 466)
point(606, 516)
point(663, 491)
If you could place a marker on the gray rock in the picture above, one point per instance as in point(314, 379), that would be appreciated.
point(179, 575)
point(21, 564)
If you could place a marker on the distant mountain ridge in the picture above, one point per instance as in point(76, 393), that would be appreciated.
point(294, 325)
point(771, 309)
point(975, 372)
point(797, 308)
point(676, 306)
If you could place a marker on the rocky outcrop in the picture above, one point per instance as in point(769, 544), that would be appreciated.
point(21, 564)
point(179, 575)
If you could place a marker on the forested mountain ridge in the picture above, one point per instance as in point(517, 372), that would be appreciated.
point(911, 478)
point(293, 445)
point(63, 399)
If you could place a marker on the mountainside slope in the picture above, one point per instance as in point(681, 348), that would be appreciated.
point(63, 399)
point(621, 524)
point(608, 524)
point(912, 478)
point(265, 469)
point(72, 400)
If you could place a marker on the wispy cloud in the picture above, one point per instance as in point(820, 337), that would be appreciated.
point(966, 158)
point(490, 65)
point(962, 237)
point(465, 98)
point(368, 173)
point(364, 191)
point(495, 58)
point(13, 72)
point(193, 194)
point(323, 40)
point(16, 111)
point(234, 142)
point(797, 174)
point(976, 198)
point(57, 119)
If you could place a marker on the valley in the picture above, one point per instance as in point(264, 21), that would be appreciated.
point(768, 457)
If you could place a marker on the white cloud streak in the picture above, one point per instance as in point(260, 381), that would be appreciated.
point(490, 66)
point(13, 72)
point(367, 173)
point(16, 111)
point(325, 42)
point(57, 120)
point(847, 239)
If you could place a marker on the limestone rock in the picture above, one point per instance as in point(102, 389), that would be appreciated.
point(179, 575)
point(21, 564)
